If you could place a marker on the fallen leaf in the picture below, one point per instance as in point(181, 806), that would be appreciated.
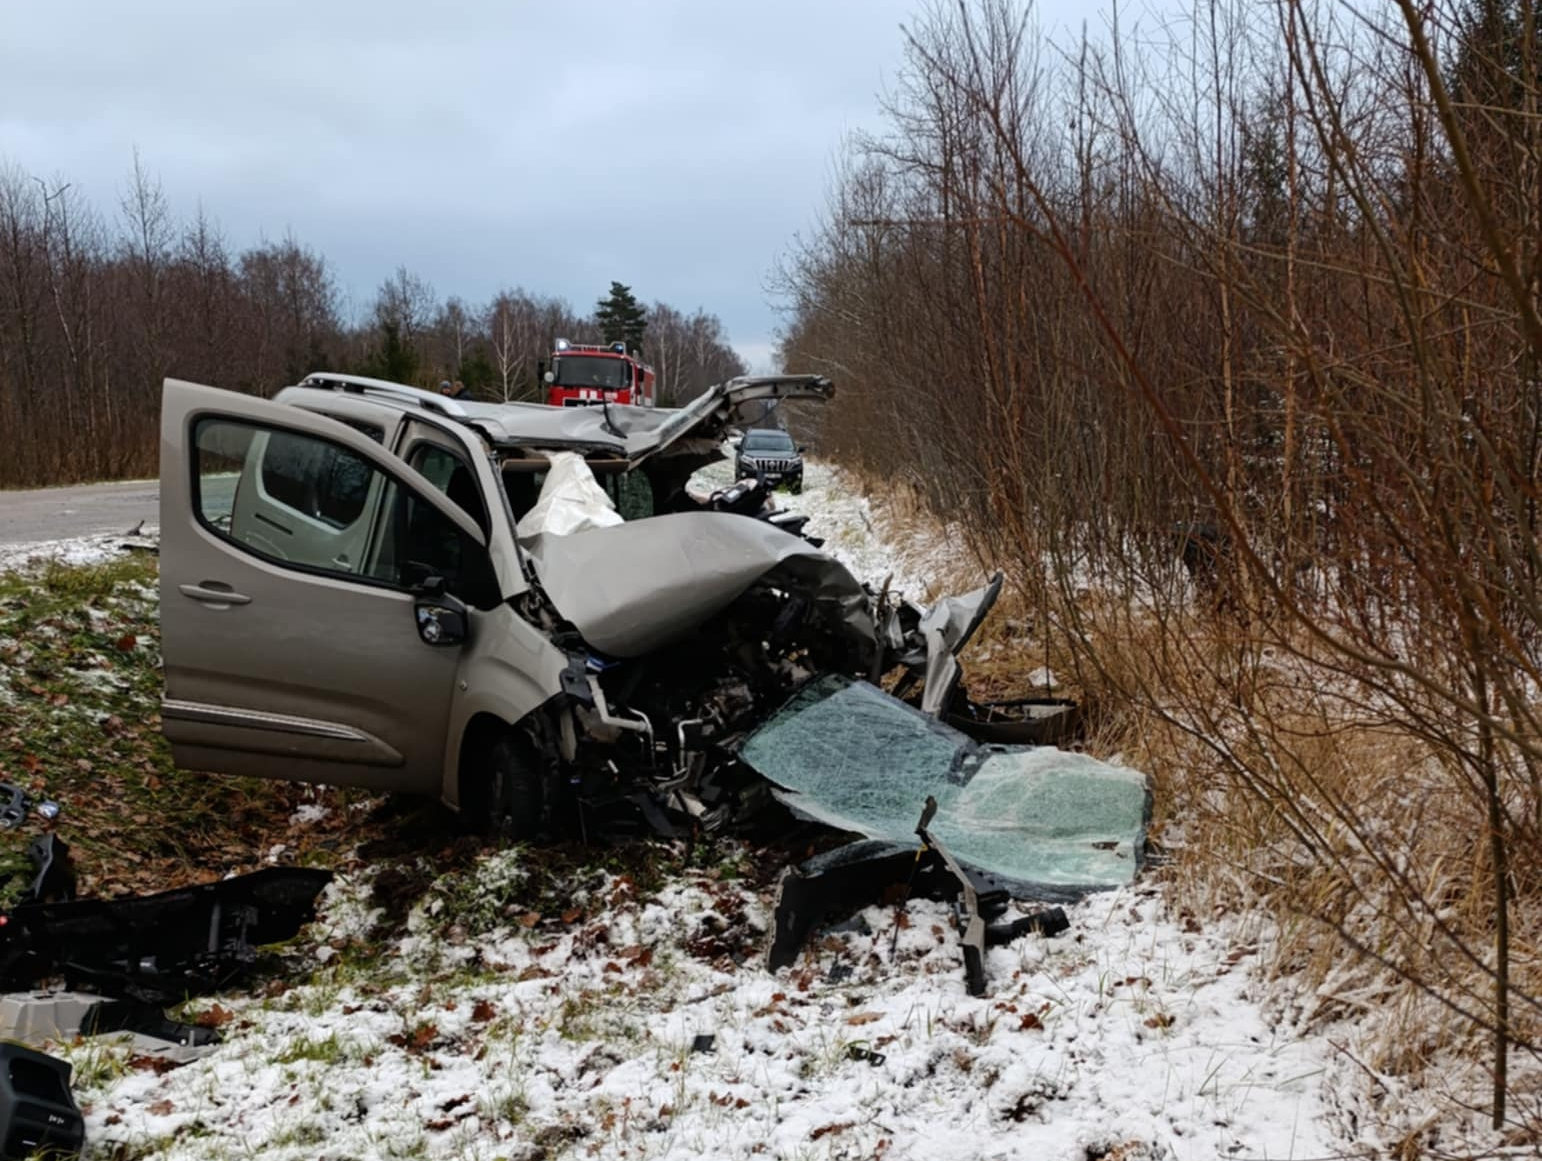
point(482, 1011)
point(824, 1130)
point(529, 919)
point(864, 1017)
point(156, 1064)
point(161, 1108)
point(126, 642)
point(216, 1017)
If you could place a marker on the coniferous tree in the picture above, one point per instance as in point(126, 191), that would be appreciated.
point(621, 317)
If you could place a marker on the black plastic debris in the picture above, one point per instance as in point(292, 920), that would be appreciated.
point(156, 949)
point(705, 1042)
point(16, 804)
point(871, 871)
point(107, 1016)
point(857, 1052)
point(38, 1115)
point(13, 806)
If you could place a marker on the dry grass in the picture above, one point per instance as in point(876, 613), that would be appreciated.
point(1289, 788)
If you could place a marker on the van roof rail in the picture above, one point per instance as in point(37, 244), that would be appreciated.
point(363, 385)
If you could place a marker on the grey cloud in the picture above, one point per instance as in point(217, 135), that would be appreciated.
point(676, 146)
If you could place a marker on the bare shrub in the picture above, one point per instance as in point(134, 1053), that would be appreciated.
point(1262, 282)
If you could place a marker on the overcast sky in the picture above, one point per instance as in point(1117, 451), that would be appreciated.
point(674, 145)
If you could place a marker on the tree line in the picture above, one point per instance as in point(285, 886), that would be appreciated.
point(96, 308)
point(1224, 337)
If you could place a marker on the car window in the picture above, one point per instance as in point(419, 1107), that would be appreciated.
point(314, 478)
point(313, 505)
point(768, 441)
point(631, 493)
point(418, 542)
point(451, 475)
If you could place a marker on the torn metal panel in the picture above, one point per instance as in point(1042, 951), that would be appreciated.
point(636, 587)
point(946, 628)
point(1053, 824)
point(638, 432)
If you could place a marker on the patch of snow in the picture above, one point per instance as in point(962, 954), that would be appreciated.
point(1128, 1032)
point(83, 550)
point(308, 813)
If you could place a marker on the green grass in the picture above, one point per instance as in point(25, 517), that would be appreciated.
point(80, 687)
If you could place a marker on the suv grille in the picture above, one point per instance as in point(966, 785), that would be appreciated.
point(766, 465)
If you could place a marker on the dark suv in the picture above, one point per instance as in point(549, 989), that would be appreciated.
point(770, 452)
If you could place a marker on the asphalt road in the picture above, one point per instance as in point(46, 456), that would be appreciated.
point(81, 510)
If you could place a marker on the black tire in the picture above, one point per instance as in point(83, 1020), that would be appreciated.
point(513, 789)
point(797, 486)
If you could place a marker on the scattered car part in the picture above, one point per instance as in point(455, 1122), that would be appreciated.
point(945, 629)
point(1028, 721)
point(13, 806)
point(858, 1052)
point(35, 1018)
point(870, 871)
point(1047, 824)
point(157, 949)
point(16, 804)
point(38, 1115)
point(53, 877)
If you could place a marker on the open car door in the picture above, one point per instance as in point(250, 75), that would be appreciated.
point(298, 558)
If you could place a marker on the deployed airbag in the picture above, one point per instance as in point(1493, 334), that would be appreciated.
point(571, 501)
point(1046, 821)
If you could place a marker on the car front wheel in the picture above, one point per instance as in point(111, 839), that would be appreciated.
point(513, 788)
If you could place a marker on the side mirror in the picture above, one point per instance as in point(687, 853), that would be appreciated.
point(550, 376)
point(441, 618)
point(801, 449)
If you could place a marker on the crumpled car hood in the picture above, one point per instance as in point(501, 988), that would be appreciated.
point(634, 588)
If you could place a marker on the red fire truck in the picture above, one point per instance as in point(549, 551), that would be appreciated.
point(582, 375)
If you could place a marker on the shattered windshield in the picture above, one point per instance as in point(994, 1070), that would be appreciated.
point(590, 371)
point(857, 759)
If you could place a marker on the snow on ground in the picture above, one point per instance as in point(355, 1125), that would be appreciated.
point(1133, 1035)
point(858, 533)
point(485, 1028)
point(84, 550)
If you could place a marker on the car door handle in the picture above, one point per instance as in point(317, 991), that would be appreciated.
point(214, 593)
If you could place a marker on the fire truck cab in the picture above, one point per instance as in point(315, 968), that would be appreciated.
point(585, 374)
